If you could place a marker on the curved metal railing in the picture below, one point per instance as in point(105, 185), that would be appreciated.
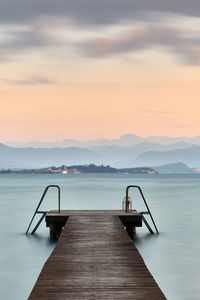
point(148, 212)
point(43, 212)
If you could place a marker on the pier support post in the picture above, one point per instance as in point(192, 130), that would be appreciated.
point(55, 229)
point(131, 230)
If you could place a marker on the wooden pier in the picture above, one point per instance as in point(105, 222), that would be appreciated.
point(95, 259)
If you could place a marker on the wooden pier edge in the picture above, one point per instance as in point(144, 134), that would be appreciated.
point(95, 259)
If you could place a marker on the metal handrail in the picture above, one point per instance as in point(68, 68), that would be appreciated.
point(40, 202)
point(148, 210)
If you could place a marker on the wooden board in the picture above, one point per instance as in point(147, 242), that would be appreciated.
point(91, 212)
point(95, 259)
point(61, 217)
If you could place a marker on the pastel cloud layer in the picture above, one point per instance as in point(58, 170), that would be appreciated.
point(89, 61)
point(41, 25)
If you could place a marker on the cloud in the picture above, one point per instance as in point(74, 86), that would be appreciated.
point(92, 12)
point(29, 81)
point(21, 40)
point(32, 25)
point(175, 39)
point(180, 41)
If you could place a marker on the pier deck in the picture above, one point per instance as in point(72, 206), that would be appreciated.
point(95, 259)
point(132, 219)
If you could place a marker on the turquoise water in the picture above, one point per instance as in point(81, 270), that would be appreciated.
point(173, 257)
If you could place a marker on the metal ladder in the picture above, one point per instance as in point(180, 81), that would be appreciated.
point(142, 212)
point(43, 212)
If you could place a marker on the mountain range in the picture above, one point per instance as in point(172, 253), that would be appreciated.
point(190, 156)
point(137, 154)
point(126, 140)
point(175, 168)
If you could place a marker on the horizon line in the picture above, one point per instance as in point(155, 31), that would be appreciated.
point(99, 138)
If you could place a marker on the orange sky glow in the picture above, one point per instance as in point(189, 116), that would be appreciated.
point(83, 83)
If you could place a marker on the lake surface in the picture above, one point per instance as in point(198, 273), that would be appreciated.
point(173, 257)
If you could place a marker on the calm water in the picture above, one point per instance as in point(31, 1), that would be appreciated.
point(173, 257)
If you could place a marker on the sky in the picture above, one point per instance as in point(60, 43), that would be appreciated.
point(87, 69)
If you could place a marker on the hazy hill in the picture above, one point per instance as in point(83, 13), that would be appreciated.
point(126, 140)
point(189, 156)
point(122, 156)
point(140, 155)
point(175, 168)
point(35, 158)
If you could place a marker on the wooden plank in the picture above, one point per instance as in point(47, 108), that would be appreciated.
point(95, 259)
point(90, 212)
point(62, 216)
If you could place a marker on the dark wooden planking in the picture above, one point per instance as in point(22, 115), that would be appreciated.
point(95, 259)
point(100, 294)
point(62, 216)
point(90, 212)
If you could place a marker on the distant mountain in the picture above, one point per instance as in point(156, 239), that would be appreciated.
point(143, 154)
point(175, 168)
point(36, 158)
point(116, 155)
point(189, 156)
point(127, 140)
point(165, 140)
point(10, 164)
